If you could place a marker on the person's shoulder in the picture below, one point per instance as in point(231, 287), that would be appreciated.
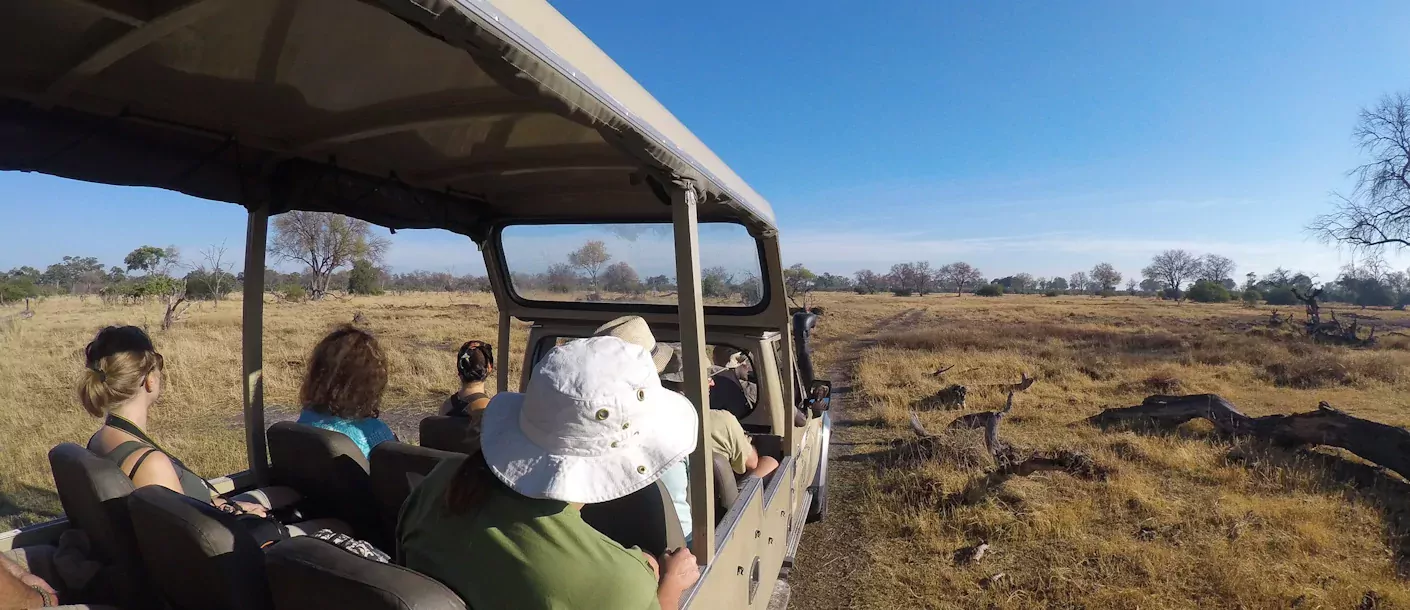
point(724, 422)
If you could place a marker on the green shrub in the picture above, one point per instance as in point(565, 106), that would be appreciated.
point(1252, 297)
point(363, 279)
point(1050, 293)
point(1205, 291)
point(1280, 296)
point(1108, 293)
point(294, 292)
point(990, 290)
point(901, 292)
point(1173, 294)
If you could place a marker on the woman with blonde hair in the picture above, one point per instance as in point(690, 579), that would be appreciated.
point(123, 379)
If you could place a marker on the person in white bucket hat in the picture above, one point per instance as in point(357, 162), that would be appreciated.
point(502, 527)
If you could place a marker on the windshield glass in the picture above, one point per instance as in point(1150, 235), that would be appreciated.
point(628, 263)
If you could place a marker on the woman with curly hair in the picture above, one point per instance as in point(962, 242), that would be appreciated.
point(342, 390)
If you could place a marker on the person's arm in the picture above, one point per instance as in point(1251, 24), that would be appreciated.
point(20, 589)
point(678, 573)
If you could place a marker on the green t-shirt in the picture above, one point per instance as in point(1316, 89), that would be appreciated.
point(519, 552)
point(727, 438)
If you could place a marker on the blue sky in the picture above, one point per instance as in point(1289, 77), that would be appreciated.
point(1037, 136)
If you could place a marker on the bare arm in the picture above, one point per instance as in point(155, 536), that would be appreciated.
point(15, 593)
point(678, 573)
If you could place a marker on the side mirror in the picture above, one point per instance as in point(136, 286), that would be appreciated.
point(820, 396)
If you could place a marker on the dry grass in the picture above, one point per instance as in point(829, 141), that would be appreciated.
point(1184, 519)
point(199, 416)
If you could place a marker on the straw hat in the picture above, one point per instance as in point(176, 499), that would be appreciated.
point(634, 330)
point(593, 425)
point(675, 368)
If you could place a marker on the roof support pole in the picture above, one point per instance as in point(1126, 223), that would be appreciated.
point(692, 334)
point(501, 373)
point(252, 333)
point(778, 300)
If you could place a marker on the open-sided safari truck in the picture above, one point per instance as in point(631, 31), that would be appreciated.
point(488, 118)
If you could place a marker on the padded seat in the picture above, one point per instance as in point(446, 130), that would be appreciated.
point(726, 486)
point(448, 433)
point(331, 474)
point(308, 573)
point(93, 492)
point(198, 557)
point(645, 518)
point(397, 468)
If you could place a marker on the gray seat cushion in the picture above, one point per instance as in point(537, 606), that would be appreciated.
point(448, 433)
point(331, 474)
point(307, 573)
point(198, 557)
point(646, 519)
point(94, 496)
point(726, 486)
point(397, 468)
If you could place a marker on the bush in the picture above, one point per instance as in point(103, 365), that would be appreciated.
point(363, 278)
point(1050, 293)
point(1205, 291)
point(1172, 294)
point(1108, 293)
point(1251, 297)
point(990, 290)
point(1280, 296)
point(901, 292)
point(294, 292)
point(205, 286)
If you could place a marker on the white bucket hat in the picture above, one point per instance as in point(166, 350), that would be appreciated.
point(593, 425)
point(634, 330)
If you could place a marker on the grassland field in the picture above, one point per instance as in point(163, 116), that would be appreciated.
point(1186, 519)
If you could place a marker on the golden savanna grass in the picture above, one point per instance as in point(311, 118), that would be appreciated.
point(199, 416)
point(1186, 518)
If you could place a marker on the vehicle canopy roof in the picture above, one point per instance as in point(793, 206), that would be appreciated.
point(453, 114)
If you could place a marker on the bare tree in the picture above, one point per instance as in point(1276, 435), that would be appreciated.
point(590, 258)
point(1131, 286)
point(1377, 211)
point(1172, 267)
point(1079, 282)
point(216, 270)
point(324, 242)
point(1022, 282)
point(1106, 276)
point(1216, 268)
point(958, 276)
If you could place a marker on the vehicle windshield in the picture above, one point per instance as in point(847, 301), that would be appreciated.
point(628, 263)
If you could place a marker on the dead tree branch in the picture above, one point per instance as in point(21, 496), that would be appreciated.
point(1382, 444)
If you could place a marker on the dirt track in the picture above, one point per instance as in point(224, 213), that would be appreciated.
point(832, 555)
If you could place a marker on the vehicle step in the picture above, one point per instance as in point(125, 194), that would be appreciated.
point(795, 535)
point(782, 592)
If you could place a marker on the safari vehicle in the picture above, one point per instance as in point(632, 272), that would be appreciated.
point(481, 117)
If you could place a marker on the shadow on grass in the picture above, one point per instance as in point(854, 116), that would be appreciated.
point(28, 505)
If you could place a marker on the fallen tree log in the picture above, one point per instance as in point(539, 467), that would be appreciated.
point(1388, 446)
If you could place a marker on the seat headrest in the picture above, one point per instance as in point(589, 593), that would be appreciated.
point(448, 433)
point(397, 468)
point(302, 443)
point(197, 556)
point(93, 492)
point(645, 518)
point(309, 573)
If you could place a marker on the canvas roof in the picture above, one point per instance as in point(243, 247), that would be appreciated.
point(408, 113)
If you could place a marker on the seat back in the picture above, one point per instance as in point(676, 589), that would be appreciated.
point(448, 433)
point(645, 518)
point(197, 556)
point(93, 492)
point(331, 474)
point(397, 468)
point(726, 487)
point(308, 573)
point(727, 394)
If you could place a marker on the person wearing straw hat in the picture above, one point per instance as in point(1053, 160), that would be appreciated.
point(502, 528)
point(634, 330)
point(727, 436)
